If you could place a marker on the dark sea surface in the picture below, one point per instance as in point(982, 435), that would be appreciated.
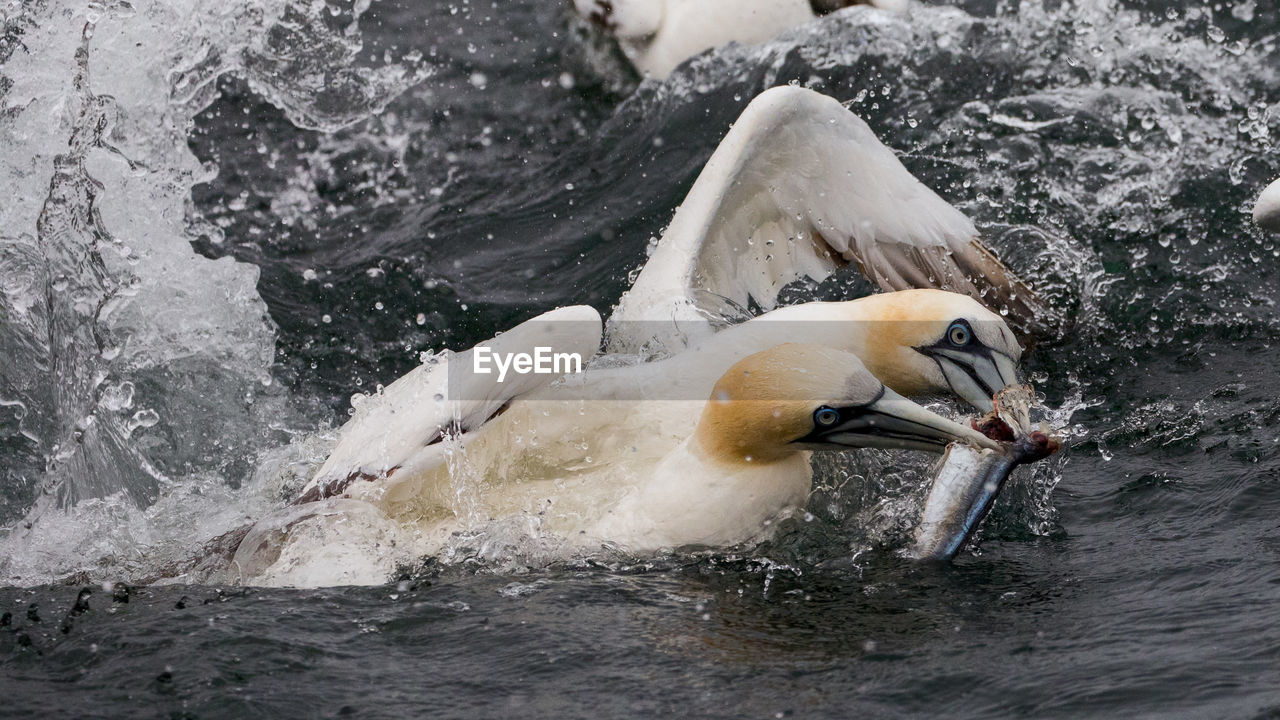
point(445, 170)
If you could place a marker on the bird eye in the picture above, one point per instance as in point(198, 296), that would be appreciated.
point(826, 417)
point(959, 334)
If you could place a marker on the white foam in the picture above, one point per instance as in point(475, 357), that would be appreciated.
point(136, 368)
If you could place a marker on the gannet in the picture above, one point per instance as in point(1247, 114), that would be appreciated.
point(799, 188)
point(1266, 211)
point(658, 35)
point(917, 342)
point(645, 489)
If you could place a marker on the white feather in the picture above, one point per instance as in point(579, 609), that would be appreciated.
point(400, 427)
point(799, 187)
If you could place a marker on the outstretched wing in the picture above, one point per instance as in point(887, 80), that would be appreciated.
point(800, 187)
point(400, 428)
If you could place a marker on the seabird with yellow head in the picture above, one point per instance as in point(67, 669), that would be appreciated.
point(748, 457)
point(799, 188)
point(745, 460)
point(917, 342)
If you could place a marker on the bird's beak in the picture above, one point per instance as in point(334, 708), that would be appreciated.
point(977, 376)
point(894, 422)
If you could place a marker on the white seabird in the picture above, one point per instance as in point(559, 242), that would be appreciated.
point(643, 475)
point(1266, 211)
point(799, 187)
point(918, 342)
point(658, 35)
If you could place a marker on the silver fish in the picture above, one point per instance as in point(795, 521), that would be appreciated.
point(968, 479)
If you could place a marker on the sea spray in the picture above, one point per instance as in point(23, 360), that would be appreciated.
point(133, 366)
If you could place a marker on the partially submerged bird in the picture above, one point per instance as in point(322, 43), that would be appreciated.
point(608, 471)
point(1266, 211)
point(799, 188)
point(658, 35)
point(917, 342)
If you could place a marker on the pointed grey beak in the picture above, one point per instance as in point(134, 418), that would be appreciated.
point(894, 422)
point(977, 376)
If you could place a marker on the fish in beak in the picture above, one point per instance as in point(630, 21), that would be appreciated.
point(969, 478)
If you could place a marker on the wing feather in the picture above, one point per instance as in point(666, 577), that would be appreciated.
point(400, 428)
point(800, 187)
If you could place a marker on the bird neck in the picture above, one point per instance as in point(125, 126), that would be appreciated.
point(882, 335)
point(693, 456)
point(694, 499)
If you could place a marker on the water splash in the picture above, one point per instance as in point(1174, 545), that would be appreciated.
point(136, 369)
point(1132, 137)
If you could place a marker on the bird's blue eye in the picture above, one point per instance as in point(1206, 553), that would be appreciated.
point(826, 417)
point(958, 334)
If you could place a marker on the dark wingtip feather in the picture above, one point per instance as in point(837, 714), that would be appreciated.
point(971, 269)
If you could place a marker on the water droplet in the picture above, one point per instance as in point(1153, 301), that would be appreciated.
point(118, 398)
